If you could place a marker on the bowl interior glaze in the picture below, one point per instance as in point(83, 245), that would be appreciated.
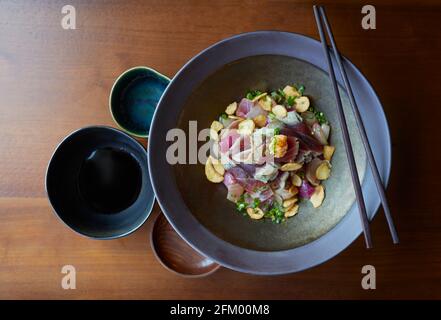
point(209, 204)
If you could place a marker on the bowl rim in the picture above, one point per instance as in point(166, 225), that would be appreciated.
point(118, 123)
point(86, 235)
point(220, 243)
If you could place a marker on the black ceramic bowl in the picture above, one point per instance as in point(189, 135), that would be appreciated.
point(98, 183)
point(199, 210)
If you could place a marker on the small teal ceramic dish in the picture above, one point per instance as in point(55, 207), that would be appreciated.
point(133, 99)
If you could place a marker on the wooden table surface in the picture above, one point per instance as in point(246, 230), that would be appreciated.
point(53, 81)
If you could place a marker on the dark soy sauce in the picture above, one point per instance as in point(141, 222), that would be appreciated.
point(110, 180)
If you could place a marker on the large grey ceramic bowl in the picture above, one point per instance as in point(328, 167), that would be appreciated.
point(199, 210)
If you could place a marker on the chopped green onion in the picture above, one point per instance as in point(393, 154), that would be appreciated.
point(276, 213)
point(251, 94)
point(271, 115)
point(277, 98)
point(281, 93)
point(291, 101)
point(320, 116)
point(241, 204)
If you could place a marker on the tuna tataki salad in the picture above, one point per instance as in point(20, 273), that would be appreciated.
point(271, 150)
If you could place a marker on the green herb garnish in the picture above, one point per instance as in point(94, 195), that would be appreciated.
point(320, 116)
point(256, 203)
point(301, 89)
point(276, 213)
point(291, 101)
point(276, 131)
point(273, 145)
point(224, 115)
point(251, 94)
point(278, 96)
point(271, 115)
point(241, 204)
point(281, 93)
point(275, 96)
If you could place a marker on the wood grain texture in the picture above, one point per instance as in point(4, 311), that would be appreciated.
point(53, 81)
point(175, 254)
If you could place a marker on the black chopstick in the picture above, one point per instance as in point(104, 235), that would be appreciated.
point(346, 139)
point(362, 130)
